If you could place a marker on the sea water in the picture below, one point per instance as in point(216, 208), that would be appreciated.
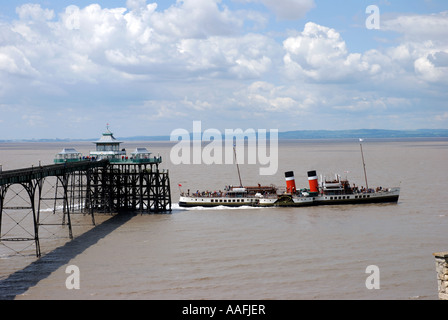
point(249, 253)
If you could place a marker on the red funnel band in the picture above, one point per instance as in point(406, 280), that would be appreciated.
point(313, 184)
point(290, 186)
point(290, 182)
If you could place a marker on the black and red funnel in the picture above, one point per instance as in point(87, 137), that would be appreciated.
point(313, 181)
point(290, 182)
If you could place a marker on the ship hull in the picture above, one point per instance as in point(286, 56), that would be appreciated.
point(382, 199)
point(391, 196)
point(286, 200)
point(188, 202)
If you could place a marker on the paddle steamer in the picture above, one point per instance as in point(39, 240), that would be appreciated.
point(324, 192)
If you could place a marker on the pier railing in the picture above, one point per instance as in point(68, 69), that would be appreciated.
point(40, 172)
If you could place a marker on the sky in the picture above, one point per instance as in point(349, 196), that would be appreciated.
point(69, 68)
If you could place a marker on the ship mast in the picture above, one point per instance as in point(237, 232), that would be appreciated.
point(237, 167)
point(363, 163)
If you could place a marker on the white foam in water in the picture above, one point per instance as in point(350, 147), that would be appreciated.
point(176, 207)
point(59, 208)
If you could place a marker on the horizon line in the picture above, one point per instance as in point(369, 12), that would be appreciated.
point(346, 134)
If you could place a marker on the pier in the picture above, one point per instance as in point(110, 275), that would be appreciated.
point(106, 181)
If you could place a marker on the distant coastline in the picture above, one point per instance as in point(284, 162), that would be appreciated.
point(298, 134)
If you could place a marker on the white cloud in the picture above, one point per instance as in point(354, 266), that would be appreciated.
point(136, 4)
point(418, 27)
point(319, 53)
point(264, 98)
point(196, 19)
point(196, 57)
point(199, 38)
point(429, 72)
point(288, 9)
point(442, 117)
point(241, 57)
point(33, 120)
point(424, 44)
point(13, 61)
point(34, 12)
